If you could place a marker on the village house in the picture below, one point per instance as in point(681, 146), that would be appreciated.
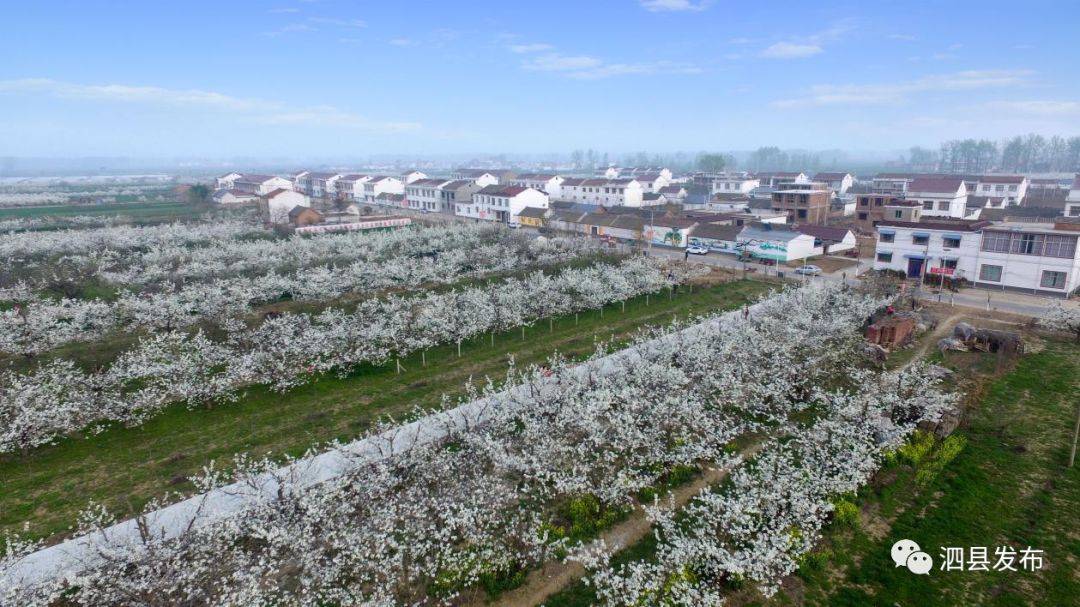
point(275, 205)
point(228, 197)
point(777, 243)
point(727, 183)
point(503, 203)
point(831, 240)
point(547, 183)
point(457, 191)
point(378, 185)
point(304, 216)
point(940, 197)
point(803, 202)
point(261, 184)
point(603, 192)
point(410, 176)
point(533, 217)
point(226, 181)
point(717, 237)
point(871, 209)
point(1006, 190)
point(777, 180)
point(351, 187)
point(948, 247)
point(1039, 258)
point(424, 194)
point(483, 177)
point(839, 183)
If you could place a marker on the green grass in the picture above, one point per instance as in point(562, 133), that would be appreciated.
point(165, 210)
point(1007, 485)
point(124, 467)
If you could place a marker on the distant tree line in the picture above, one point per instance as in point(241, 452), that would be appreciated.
point(1021, 154)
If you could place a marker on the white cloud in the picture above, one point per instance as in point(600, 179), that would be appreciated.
point(896, 92)
point(788, 50)
point(584, 67)
point(404, 42)
point(530, 48)
point(557, 62)
point(673, 6)
point(338, 22)
point(280, 11)
point(1043, 107)
point(255, 110)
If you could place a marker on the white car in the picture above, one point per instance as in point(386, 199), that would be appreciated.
point(809, 270)
point(696, 249)
point(513, 226)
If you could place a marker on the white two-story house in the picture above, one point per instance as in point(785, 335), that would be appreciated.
point(939, 196)
point(502, 203)
point(551, 184)
point(1040, 258)
point(1008, 189)
point(261, 184)
point(944, 247)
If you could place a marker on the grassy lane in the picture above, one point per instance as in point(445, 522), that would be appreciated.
point(124, 467)
point(1009, 486)
point(141, 210)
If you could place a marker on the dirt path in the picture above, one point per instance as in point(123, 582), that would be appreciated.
point(556, 575)
point(944, 327)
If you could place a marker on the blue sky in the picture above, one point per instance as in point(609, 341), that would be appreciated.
point(323, 78)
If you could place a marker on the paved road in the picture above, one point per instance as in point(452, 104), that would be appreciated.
point(985, 299)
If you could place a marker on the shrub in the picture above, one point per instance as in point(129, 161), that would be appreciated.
point(846, 514)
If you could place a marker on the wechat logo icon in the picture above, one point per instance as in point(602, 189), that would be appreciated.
point(906, 553)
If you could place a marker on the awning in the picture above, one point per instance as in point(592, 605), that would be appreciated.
point(956, 236)
point(915, 256)
point(889, 232)
point(950, 258)
point(921, 234)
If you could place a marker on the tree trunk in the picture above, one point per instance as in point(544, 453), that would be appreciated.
point(575, 318)
point(459, 349)
point(601, 311)
point(423, 357)
point(551, 325)
point(646, 299)
point(522, 332)
point(397, 361)
point(492, 339)
point(624, 305)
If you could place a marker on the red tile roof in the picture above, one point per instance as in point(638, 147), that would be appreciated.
point(936, 185)
point(1002, 179)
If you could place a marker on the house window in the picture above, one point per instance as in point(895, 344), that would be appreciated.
point(1060, 246)
point(943, 205)
point(884, 257)
point(986, 187)
point(898, 214)
point(1053, 280)
point(951, 242)
point(1012, 188)
point(864, 202)
point(999, 188)
point(990, 273)
point(920, 239)
point(928, 205)
point(948, 263)
point(883, 237)
point(802, 213)
point(863, 216)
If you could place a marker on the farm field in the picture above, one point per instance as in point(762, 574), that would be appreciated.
point(123, 468)
point(1010, 485)
point(163, 211)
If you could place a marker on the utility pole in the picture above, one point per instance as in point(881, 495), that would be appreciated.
point(1076, 435)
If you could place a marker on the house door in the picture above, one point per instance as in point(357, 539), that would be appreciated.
point(914, 268)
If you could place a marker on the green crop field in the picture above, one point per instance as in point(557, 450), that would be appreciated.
point(125, 467)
